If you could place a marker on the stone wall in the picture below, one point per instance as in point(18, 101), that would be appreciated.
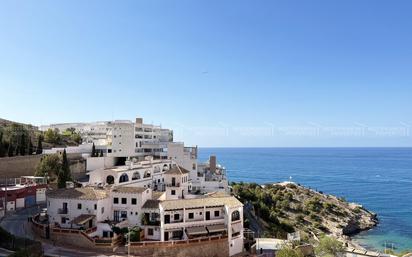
point(78, 239)
point(202, 248)
point(14, 167)
point(17, 166)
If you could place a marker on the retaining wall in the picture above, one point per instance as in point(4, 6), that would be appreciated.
point(205, 247)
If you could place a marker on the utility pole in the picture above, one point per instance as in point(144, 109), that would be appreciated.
point(128, 241)
point(5, 196)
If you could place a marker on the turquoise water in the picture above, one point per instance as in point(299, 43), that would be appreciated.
point(378, 178)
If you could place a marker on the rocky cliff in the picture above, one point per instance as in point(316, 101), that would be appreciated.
point(278, 209)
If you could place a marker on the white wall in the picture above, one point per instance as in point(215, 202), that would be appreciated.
point(235, 243)
point(156, 233)
point(40, 195)
point(54, 204)
point(132, 217)
point(94, 163)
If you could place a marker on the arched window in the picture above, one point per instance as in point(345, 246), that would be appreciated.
point(235, 215)
point(110, 179)
point(156, 169)
point(146, 174)
point(123, 178)
point(136, 175)
point(165, 167)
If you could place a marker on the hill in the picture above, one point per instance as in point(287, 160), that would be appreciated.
point(278, 209)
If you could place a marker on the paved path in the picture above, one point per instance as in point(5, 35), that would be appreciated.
point(17, 224)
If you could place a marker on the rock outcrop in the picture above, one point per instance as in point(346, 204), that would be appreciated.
point(280, 208)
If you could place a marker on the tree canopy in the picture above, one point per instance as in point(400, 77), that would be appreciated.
point(50, 165)
point(329, 247)
point(289, 252)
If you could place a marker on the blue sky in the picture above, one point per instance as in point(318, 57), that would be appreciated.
point(220, 73)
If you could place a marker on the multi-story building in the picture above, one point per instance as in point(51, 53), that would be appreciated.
point(165, 213)
point(145, 179)
point(122, 138)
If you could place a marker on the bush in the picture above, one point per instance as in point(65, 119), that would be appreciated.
point(329, 246)
point(288, 252)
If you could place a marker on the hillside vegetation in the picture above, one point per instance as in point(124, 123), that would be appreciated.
point(18, 139)
point(287, 207)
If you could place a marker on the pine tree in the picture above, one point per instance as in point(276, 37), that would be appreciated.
point(94, 154)
point(23, 145)
point(10, 150)
point(39, 149)
point(2, 146)
point(64, 174)
point(30, 147)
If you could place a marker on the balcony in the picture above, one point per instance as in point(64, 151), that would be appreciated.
point(188, 223)
point(173, 185)
point(63, 211)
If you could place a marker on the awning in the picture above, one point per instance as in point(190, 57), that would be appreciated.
point(82, 219)
point(193, 231)
point(216, 228)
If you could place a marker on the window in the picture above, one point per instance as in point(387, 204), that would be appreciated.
point(235, 216)
point(110, 179)
point(102, 210)
point(191, 215)
point(79, 206)
point(194, 166)
point(124, 200)
point(115, 200)
point(123, 178)
point(134, 201)
point(63, 220)
point(150, 231)
point(136, 176)
point(123, 214)
point(109, 150)
point(176, 216)
point(95, 206)
point(217, 213)
point(173, 192)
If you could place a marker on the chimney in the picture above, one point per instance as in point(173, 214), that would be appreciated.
point(139, 120)
point(212, 163)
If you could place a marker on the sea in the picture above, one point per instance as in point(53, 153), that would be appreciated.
point(380, 179)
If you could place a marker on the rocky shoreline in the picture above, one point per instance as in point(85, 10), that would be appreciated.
point(282, 207)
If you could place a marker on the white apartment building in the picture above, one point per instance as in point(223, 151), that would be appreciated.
point(167, 213)
point(122, 138)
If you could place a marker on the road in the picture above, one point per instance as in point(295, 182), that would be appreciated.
point(17, 224)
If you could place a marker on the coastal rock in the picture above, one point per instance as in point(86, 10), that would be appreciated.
point(278, 209)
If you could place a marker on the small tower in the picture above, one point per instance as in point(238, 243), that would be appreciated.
point(176, 180)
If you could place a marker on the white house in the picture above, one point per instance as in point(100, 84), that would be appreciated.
point(78, 207)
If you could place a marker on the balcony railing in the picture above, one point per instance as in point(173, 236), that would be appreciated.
point(173, 185)
point(62, 211)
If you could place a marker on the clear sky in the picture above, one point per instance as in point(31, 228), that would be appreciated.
point(220, 73)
